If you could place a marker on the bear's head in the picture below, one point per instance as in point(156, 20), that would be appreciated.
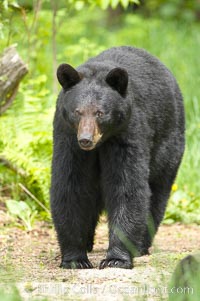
point(94, 104)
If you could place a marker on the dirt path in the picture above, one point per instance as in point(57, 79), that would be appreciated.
point(31, 261)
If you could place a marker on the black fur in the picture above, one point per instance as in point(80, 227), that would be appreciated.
point(132, 168)
point(117, 78)
point(67, 76)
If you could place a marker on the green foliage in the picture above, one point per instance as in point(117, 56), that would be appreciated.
point(183, 206)
point(26, 128)
point(12, 295)
point(184, 284)
point(114, 3)
point(104, 4)
point(22, 211)
point(176, 9)
point(5, 7)
point(27, 140)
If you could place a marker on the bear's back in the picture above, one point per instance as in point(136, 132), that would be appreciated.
point(131, 58)
point(142, 67)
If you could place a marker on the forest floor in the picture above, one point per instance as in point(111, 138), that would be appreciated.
point(31, 261)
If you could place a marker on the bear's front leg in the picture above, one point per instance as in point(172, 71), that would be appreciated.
point(74, 197)
point(127, 195)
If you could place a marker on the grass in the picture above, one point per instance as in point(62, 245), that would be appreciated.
point(27, 127)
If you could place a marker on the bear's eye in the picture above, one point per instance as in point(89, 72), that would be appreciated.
point(99, 114)
point(77, 112)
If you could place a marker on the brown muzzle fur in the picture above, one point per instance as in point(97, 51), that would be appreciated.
point(88, 133)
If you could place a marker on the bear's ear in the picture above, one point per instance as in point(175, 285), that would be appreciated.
point(67, 76)
point(117, 78)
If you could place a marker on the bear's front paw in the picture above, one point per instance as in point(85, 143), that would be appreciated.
point(115, 263)
point(76, 264)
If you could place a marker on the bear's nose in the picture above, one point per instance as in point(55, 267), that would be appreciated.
point(85, 143)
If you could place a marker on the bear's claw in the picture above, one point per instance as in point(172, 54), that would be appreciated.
point(76, 264)
point(115, 263)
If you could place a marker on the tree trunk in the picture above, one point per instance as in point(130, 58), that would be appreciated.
point(12, 70)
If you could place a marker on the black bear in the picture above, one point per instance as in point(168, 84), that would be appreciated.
point(118, 143)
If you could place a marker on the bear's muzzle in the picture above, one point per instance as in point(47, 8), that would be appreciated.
point(88, 133)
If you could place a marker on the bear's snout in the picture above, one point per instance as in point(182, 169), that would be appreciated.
point(85, 142)
point(88, 133)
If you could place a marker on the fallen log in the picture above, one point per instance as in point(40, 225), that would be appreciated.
point(12, 70)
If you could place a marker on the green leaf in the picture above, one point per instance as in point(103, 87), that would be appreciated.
point(125, 3)
point(23, 211)
point(79, 5)
point(14, 207)
point(15, 4)
point(5, 4)
point(114, 3)
point(136, 2)
point(178, 195)
point(104, 4)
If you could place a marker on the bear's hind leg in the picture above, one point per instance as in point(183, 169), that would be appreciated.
point(160, 191)
point(165, 165)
